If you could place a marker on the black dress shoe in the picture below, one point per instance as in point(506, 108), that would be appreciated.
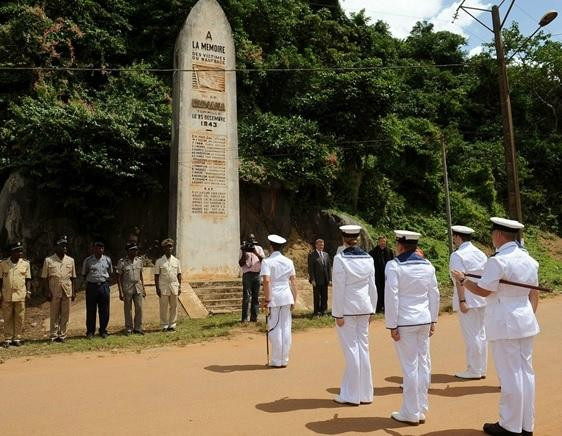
point(138, 332)
point(526, 433)
point(497, 429)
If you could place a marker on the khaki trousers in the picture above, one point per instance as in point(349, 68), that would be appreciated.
point(168, 311)
point(128, 301)
point(14, 315)
point(60, 312)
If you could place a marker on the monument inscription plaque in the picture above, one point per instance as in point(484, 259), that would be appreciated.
point(204, 204)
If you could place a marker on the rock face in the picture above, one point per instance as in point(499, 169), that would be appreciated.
point(28, 216)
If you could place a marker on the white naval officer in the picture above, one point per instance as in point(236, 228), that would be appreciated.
point(471, 307)
point(354, 299)
point(510, 326)
point(280, 293)
point(411, 307)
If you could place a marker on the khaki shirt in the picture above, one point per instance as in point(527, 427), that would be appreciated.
point(130, 272)
point(14, 276)
point(168, 270)
point(59, 272)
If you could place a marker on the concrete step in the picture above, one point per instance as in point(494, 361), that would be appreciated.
point(224, 296)
point(215, 284)
point(217, 291)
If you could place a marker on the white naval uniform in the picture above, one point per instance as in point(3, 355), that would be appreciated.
point(510, 327)
point(280, 269)
point(411, 304)
point(354, 299)
point(470, 260)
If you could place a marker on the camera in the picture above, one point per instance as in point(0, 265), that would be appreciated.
point(247, 246)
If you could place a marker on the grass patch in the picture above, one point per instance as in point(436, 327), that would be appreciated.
point(188, 331)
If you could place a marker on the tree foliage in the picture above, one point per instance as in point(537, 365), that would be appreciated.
point(358, 126)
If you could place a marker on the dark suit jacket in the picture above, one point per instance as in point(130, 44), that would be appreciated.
point(319, 268)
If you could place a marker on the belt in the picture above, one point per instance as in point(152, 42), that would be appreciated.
point(97, 283)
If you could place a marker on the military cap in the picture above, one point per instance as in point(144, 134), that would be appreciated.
point(505, 225)
point(350, 230)
point(16, 246)
point(276, 239)
point(406, 235)
point(463, 230)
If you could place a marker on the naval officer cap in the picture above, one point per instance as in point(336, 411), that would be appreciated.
point(463, 230)
point(505, 225)
point(131, 246)
point(276, 239)
point(16, 246)
point(407, 236)
point(351, 230)
point(62, 240)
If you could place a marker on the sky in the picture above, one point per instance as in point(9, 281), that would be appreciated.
point(401, 15)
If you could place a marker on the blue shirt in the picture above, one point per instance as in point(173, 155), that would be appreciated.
point(97, 270)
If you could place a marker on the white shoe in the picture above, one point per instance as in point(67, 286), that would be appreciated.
point(397, 416)
point(466, 375)
point(339, 400)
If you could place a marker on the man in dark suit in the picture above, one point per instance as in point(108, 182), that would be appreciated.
point(320, 276)
point(381, 254)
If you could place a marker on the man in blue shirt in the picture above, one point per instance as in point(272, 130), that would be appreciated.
point(97, 270)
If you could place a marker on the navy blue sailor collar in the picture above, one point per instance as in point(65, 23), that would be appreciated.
point(410, 257)
point(354, 251)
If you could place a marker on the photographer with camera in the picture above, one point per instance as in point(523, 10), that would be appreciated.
point(251, 255)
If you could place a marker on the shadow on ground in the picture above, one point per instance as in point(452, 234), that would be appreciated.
point(236, 368)
point(293, 404)
point(338, 425)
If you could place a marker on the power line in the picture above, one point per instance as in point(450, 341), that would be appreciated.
point(233, 70)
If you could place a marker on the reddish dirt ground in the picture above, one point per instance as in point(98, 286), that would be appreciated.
point(223, 388)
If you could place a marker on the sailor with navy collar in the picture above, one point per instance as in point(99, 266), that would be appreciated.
point(411, 309)
point(510, 325)
point(353, 306)
point(471, 307)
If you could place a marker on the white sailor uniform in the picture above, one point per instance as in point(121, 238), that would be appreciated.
point(411, 304)
point(354, 300)
point(280, 269)
point(510, 327)
point(470, 260)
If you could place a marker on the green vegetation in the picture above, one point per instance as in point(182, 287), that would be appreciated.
point(188, 331)
point(359, 131)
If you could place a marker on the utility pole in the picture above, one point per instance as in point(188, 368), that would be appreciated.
point(513, 195)
point(447, 198)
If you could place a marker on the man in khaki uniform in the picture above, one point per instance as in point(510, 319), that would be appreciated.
point(59, 277)
point(15, 280)
point(167, 277)
point(131, 288)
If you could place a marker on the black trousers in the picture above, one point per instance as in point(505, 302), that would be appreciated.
point(250, 295)
point(380, 295)
point(320, 294)
point(97, 297)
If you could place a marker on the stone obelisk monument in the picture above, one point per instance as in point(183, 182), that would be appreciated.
point(204, 196)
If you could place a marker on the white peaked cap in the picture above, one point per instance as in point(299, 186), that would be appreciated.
point(276, 239)
point(509, 224)
point(407, 235)
point(350, 229)
point(463, 230)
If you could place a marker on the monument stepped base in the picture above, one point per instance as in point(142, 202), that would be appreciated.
point(219, 296)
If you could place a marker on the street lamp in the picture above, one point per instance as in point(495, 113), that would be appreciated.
point(513, 196)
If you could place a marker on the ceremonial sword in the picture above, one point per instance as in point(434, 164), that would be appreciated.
point(509, 282)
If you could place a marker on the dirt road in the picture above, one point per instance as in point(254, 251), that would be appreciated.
point(223, 388)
